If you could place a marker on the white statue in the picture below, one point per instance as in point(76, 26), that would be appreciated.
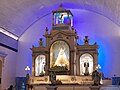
point(40, 64)
point(86, 66)
point(62, 58)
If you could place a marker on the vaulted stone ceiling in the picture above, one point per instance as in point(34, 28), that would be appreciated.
point(18, 15)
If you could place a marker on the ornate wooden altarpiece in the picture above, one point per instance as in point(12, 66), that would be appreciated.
point(62, 53)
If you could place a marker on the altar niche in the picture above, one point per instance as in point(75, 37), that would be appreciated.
point(86, 64)
point(88, 58)
point(59, 55)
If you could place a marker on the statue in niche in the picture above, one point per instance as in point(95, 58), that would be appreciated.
point(61, 19)
point(61, 58)
point(86, 65)
point(40, 65)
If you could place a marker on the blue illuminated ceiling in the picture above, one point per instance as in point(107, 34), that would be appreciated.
point(17, 16)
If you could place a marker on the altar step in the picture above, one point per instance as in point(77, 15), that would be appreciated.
point(109, 87)
point(65, 79)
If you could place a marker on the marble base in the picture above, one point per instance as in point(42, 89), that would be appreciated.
point(52, 88)
point(95, 87)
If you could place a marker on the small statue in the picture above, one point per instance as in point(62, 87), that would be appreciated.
point(27, 81)
point(46, 33)
point(52, 77)
point(86, 65)
point(41, 42)
point(27, 77)
point(96, 76)
point(86, 40)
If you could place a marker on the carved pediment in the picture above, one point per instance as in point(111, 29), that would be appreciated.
point(62, 33)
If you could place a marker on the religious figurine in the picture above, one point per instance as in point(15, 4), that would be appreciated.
point(61, 58)
point(40, 66)
point(27, 77)
point(86, 65)
point(61, 18)
point(46, 33)
point(27, 81)
point(96, 76)
point(86, 40)
point(41, 42)
point(52, 77)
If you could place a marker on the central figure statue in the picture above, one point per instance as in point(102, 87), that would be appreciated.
point(62, 58)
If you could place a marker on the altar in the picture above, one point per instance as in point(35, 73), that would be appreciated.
point(71, 62)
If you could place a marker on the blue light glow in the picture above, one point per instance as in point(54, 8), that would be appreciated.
point(103, 54)
point(95, 26)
